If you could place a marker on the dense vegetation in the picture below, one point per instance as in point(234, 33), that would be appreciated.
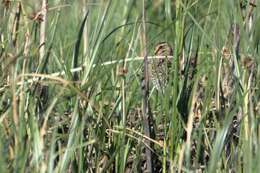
point(74, 96)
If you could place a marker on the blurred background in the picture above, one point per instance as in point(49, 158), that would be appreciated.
point(71, 96)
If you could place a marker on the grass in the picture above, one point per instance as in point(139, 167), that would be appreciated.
point(71, 96)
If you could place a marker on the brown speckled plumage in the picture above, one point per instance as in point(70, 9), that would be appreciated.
point(159, 68)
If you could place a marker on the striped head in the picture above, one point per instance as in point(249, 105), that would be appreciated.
point(163, 49)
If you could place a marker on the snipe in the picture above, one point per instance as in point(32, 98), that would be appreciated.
point(159, 66)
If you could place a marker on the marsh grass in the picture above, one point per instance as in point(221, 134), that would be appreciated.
point(75, 104)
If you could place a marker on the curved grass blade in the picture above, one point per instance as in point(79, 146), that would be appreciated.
point(77, 46)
